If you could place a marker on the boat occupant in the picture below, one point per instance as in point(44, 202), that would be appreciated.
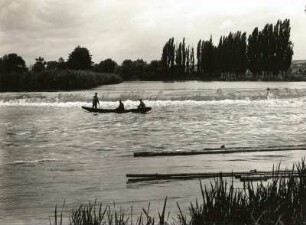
point(121, 106)
point(95, 101)
point(269, 93)
point(141, 104)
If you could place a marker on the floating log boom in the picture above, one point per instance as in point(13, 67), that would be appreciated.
point(242, 176)
point(209, 151)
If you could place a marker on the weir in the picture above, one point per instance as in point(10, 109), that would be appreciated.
point(208, 151)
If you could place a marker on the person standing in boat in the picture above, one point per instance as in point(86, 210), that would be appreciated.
point(95, 101)
point(141, 104)
point(121, 106)
point(269, 94)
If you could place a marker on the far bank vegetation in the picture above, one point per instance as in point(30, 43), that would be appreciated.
point(75, 73)
point(265, 54)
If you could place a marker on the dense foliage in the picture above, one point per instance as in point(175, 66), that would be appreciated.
point(270, 50)
point(106, 66)
point(55, 75)
point(265, 54)
point(12, 63)
point(79, 59)
point(140, 70)
point(48, 80)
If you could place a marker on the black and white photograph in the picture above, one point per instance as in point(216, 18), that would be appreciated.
point(152, 112)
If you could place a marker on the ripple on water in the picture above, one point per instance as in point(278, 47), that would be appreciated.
point(33, 162)
point(57, 150)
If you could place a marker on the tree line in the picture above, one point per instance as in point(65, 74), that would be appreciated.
point(78, 72)
point(264, 54)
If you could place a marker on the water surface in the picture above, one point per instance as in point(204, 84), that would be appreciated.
point(52, 150)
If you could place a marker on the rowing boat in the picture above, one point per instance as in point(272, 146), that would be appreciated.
point(100, 110)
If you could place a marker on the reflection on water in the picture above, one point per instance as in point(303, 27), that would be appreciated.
point(50, 149)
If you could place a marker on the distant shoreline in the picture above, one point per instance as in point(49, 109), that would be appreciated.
point(74, 80)
point(55, 80)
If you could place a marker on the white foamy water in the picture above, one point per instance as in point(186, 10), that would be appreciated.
point(50, 149)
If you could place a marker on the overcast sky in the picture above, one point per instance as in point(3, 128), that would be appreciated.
point(121, 29)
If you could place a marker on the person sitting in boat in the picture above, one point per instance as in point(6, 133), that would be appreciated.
point(141, 104)
point(121, 106)
point(95, 101)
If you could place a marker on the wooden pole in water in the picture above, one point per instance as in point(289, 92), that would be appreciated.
point(220, 151)
point(243, 176)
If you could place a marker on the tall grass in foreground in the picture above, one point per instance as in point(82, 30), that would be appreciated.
point(281, 201)
point(98, 214)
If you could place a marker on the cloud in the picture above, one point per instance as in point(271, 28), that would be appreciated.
point(226, 24)
point(134, 29)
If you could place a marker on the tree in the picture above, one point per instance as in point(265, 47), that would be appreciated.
point(192, 65)
point(184, 57)
point(253, 52)
point(168, 57)
point(199, 56)
point(286, 46)
point(187, 57)
point(61, 64)
point(207, 56)
point(265, 53)
point(155, 66)
point(39, 65)
point(178, 59)
point(243, 54)
point(52, 65)
point(13, 63)
point(140, 67)
point(12, 68)
point(127, 69)
point(1, 65)
point(106, 66)
point(152, 71)
point(80, 59)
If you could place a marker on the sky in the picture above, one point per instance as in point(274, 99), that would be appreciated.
point(134, 29)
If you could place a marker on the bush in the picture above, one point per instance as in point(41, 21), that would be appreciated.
point(55, 80)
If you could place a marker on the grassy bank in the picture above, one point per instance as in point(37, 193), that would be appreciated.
point(281, 201)
point(51, 80)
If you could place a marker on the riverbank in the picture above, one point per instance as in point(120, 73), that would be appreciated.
point(231, 77)
point(281, 201)
point(68, 80)
point(56, 80)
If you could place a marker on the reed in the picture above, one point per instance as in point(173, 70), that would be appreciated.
point(98, 214)
point(280, 201)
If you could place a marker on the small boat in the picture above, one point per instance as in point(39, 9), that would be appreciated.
point(100, 110)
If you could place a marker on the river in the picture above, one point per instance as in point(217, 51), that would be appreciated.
point(51, 149)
